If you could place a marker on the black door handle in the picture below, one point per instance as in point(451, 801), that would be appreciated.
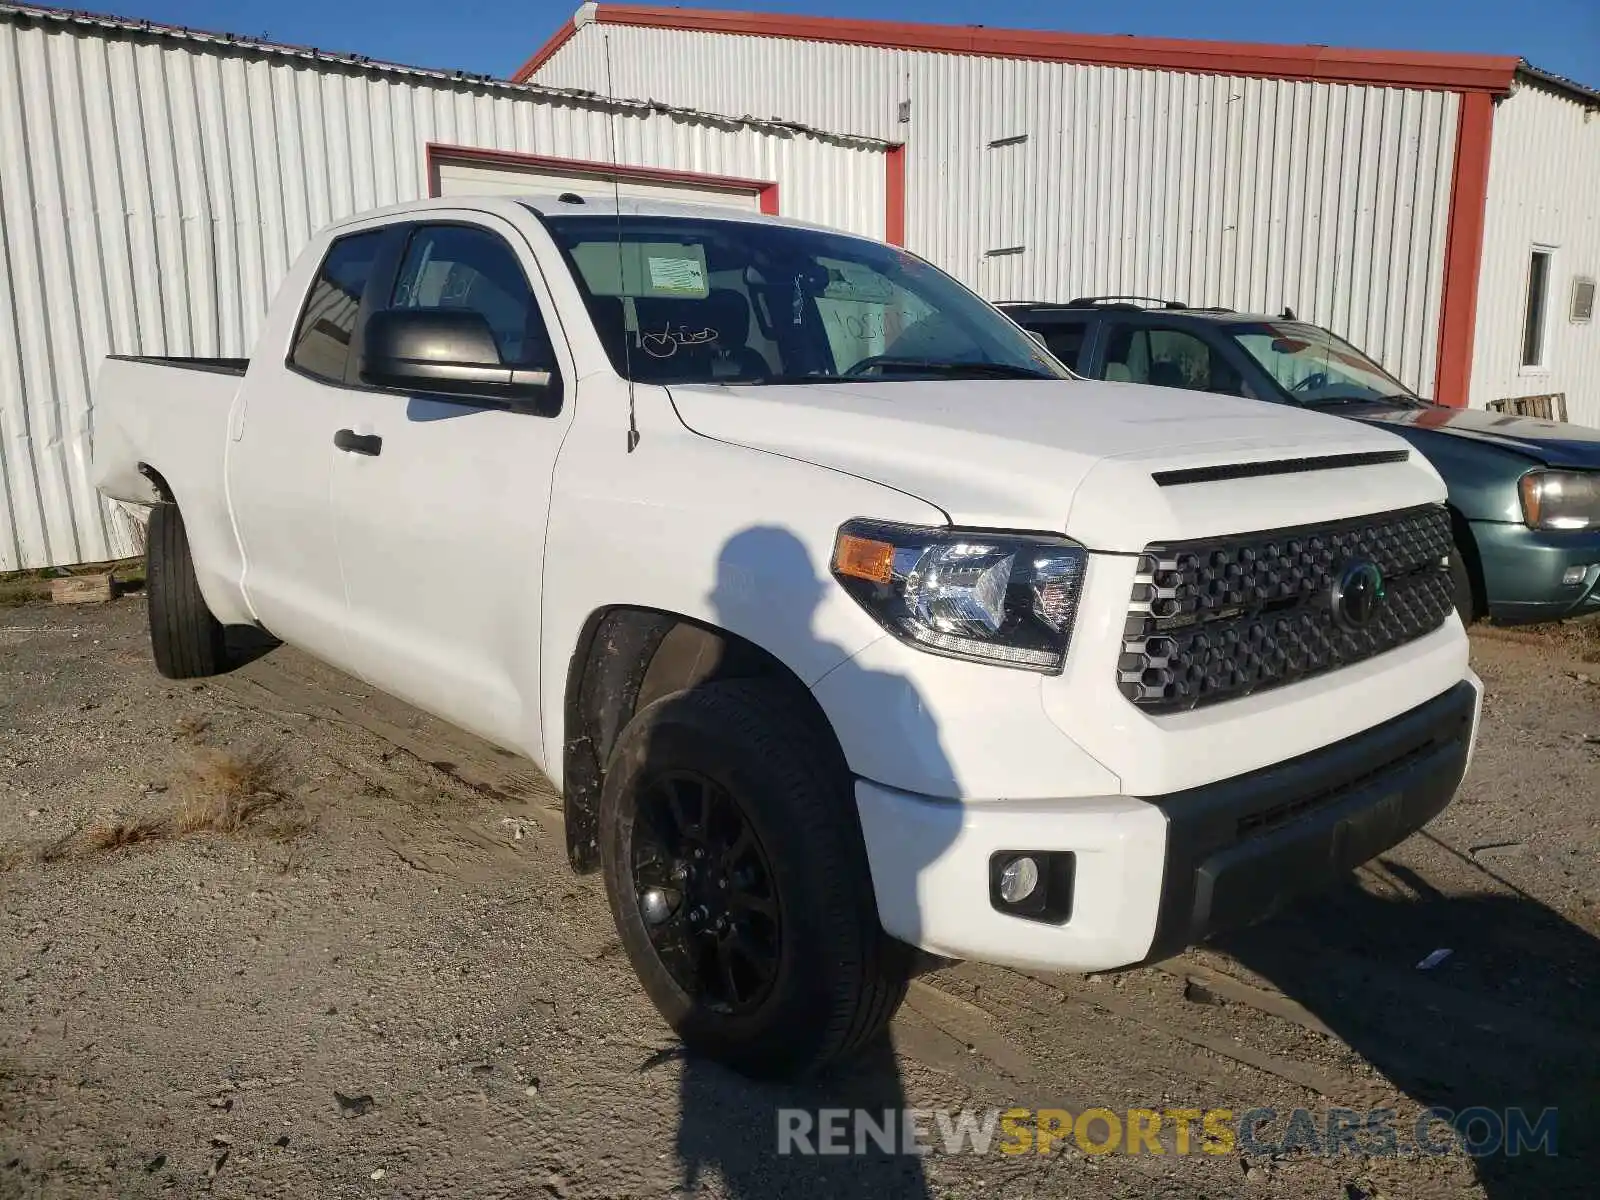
point(358, 443)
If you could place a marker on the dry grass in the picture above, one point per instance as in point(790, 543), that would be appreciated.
point(114, 835)
point(220, 792)
point(225, 792)
point(191, 727)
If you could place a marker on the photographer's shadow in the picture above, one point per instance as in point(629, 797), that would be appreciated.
point(730, 1126)
point(1509, 1020)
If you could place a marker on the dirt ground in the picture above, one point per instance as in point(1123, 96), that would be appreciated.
point(276, 935)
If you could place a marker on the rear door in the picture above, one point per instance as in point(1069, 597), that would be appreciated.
point(281, 456)
point(441, 507)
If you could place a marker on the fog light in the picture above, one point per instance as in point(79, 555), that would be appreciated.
point(1035, 885)
point(1573, 576)
point(1018, 880)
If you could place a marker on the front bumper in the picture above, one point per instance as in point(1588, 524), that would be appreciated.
point(1152, 876)
point(1522, 570)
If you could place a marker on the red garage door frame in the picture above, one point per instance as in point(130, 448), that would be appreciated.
point(1475, 79)
point(434, 153)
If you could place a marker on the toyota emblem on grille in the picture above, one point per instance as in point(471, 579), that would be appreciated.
point(1357, 594)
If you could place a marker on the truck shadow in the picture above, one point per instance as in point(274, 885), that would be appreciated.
point(1508, 1021)
point(246, 643)
point(729, 1125)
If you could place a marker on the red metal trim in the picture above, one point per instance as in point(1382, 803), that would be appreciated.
point(1455, 72)
point(1463, 253)
point(894, 195)
point(546, 52)
point(765, 190)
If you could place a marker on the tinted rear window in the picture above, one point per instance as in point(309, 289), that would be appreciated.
point(322, 342)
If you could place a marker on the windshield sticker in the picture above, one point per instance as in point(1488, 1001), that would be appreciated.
point(849, 281)
point(665, 343)
point(677, 276)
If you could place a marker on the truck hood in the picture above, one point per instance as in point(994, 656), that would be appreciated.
point(1070, 456)
point(1554, 443)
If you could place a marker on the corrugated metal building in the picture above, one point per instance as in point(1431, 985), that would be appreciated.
point(156, 183)
point(1442, 211)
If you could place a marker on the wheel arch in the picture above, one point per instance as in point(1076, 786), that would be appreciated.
point(627, 657)
point(158, 484)
point(1467, 546)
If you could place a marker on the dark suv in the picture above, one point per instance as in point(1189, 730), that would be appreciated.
point(1524, 493)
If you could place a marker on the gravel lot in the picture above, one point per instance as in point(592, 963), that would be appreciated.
point(276, 935)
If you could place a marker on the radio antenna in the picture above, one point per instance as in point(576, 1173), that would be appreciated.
point(622, 269)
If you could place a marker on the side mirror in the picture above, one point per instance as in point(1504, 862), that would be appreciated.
point(451, 352)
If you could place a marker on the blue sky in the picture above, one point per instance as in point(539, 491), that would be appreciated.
point(493, 37)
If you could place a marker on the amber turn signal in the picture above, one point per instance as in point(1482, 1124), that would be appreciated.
point(863, 558)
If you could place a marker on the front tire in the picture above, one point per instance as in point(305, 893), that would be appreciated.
point(185, 639)
point(738, 879)
point(1461, 581)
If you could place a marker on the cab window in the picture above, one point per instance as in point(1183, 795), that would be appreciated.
point(464, 267)
point(322, 341)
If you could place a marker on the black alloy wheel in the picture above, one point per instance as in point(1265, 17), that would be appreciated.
point(705, 890)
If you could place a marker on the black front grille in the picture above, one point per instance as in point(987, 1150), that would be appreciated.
point(1216, 620)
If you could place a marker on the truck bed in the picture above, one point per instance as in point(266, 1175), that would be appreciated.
point(163, 417)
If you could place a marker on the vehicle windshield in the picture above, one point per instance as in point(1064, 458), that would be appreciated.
point(698, 300)
point(1316, 367)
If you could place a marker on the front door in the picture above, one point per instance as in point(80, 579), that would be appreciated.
point(441, 504)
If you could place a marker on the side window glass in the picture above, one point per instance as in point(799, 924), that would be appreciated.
point(1182, 360)
point(1171, 358)
point(1127, 355)
point(322, 341)
point(1066, 340)
point(460, 267)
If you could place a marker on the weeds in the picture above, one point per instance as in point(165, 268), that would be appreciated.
point(226, 793)
point(220, 792)
point(114, 835)
point(58, 848)
point(190, 728)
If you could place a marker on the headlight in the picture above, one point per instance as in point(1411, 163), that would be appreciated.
point(1561, 499)
point(998, 598)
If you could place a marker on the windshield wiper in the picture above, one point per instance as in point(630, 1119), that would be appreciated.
point(1396, 398)
point(898, 368)
point(991, 370)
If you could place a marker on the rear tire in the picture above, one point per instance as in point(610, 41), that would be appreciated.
point(185, 638)
point(811, 977)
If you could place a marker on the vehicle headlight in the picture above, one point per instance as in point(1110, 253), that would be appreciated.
point(1008, 599)
point(1561, 499)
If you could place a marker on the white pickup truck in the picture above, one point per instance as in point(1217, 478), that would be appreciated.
point(846, 620)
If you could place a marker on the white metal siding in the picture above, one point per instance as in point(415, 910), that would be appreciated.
point(496, 179)
point(1332, 199)
point(843, 89)
point(154, 192)
point(1544, 189)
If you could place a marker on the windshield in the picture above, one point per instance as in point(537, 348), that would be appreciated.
point(1314, 366)
point(696, 300)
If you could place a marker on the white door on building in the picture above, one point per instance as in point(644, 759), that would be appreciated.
point(460, 177)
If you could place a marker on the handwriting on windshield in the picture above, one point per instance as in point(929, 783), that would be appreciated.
point(665, 343)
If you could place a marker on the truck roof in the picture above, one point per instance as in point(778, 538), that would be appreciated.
point(572, 204)
point(1166, 310)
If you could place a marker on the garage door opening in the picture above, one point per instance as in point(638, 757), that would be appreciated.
point(466, 171)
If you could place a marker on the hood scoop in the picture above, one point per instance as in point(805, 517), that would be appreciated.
point(1277, 466)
